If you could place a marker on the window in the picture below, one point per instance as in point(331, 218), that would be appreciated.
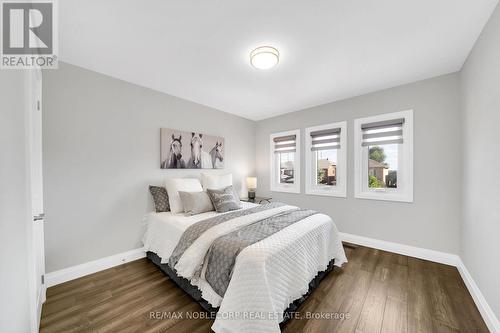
point(384, 157)
point(326, 159)
point(285, 161)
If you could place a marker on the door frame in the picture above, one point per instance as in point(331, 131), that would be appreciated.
point(36, 299)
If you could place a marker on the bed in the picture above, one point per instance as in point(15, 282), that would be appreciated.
point(267, 278)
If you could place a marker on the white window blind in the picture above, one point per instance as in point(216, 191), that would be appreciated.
point(325, 139)
point(285, 144)
point(382, 132)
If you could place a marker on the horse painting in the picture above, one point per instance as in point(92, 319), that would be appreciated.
point(217, 156)
point(200, 159)
point(190, 150)
point(174, 160)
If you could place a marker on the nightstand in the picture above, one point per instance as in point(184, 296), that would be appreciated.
point(258, 200)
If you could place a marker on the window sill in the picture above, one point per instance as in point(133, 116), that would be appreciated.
point(286, 189)
point(326, 193)
point(385, 196)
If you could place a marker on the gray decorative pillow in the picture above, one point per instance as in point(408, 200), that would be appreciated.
point(160, 198)
point(196, 202)
point(224, 200)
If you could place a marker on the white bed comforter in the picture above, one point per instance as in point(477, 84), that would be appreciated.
point(267, 275)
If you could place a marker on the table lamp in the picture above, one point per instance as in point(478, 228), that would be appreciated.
point(252, 186)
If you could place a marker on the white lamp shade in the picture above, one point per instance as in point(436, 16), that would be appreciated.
point(251, 182)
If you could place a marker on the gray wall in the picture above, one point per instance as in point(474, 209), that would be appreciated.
point(102, 150)
point(432, 221)
point(480, 83)
point(14, 209)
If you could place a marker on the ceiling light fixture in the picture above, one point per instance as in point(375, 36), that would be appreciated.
point(264, 57)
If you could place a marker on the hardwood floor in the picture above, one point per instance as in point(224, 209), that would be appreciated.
point(376, 291)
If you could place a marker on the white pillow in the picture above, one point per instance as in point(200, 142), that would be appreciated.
point(174, 185)
point(216, 182)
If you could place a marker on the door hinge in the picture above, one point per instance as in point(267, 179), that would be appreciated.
point(43, 279)
point(38, 105)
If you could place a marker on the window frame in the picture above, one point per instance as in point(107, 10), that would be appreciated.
point(275, 185)
point(404, 192)
point(340, 190)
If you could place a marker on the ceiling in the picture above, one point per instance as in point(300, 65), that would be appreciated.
point(330, 49)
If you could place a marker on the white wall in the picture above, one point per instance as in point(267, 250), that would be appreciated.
point(432, 221)
point(102, 150)
point(480, 83)
point(14, 206)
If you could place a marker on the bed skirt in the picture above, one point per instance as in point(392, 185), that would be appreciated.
point(195, 293)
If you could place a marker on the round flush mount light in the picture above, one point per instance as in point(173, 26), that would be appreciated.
point(264, 57)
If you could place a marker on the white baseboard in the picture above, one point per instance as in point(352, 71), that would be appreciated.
point(486, 312)
point(407, 250)
point(436, 256)
point(74, 272)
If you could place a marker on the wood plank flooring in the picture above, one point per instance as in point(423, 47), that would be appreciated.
point(376, 291)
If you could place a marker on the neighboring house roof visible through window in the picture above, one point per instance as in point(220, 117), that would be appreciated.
point(325, 163)
point(375, 164)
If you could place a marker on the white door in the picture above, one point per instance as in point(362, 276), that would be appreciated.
point(35, 126)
